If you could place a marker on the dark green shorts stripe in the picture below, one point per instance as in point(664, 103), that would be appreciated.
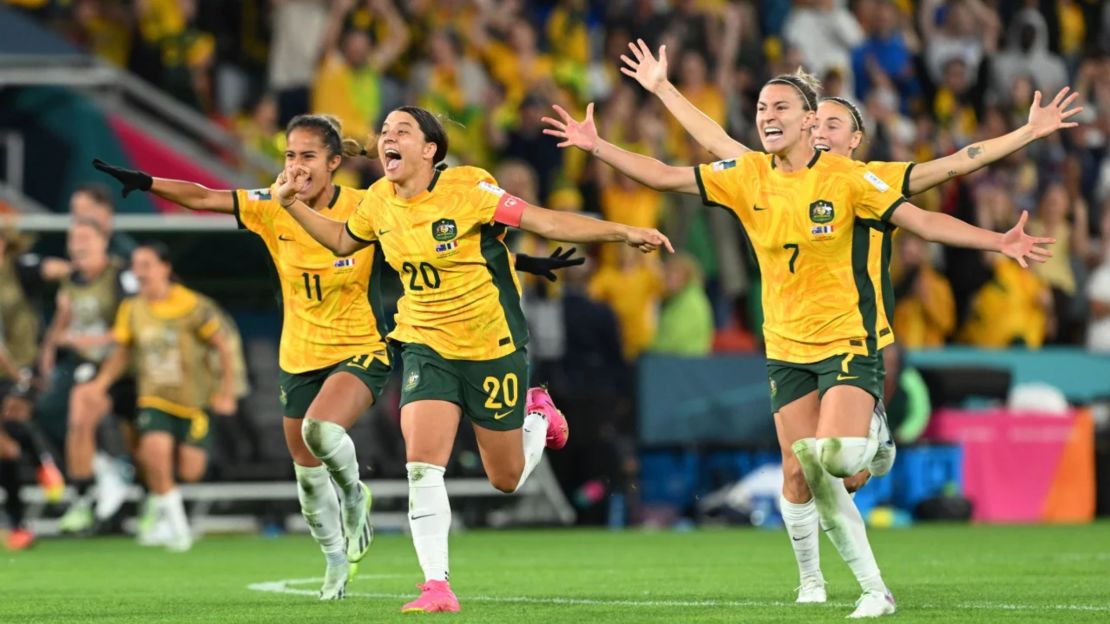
point(861, 247)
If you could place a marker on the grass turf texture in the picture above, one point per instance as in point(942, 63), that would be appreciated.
point(938, 574)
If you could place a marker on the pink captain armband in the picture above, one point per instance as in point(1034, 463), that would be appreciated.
point(509, 210)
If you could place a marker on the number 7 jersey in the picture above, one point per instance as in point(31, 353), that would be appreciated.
point(331, 308)
point(811, 230)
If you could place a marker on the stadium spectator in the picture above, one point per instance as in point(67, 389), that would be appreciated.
point(1064, 219)
point(825, 34)
point(966, 30)
point(298, 32)
point(685, 318)
point(632, 287)
point(1098, 290)
point(925, 313)
point(1026, 54)
point(885, 52)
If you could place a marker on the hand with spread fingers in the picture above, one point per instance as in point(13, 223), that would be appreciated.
point(1022, 247)
point(131, 179)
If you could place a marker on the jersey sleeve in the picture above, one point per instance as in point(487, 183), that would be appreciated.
point(207, 320)
point(254, 209)
point(722, 183)
point(121, 330)
point(493, 203)
point(896, 174)
point(872, 197)
point(360, 224)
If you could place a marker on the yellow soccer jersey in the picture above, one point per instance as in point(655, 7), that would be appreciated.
point(169, 343)
point(811, 232)
point(328, 316)
point(462, 297)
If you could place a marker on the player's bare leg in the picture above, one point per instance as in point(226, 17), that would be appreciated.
point(429, 429)
point(86, 409)
point(798, 421)
point(342, 399)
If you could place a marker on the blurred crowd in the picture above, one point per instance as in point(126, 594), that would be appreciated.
point(930, 76)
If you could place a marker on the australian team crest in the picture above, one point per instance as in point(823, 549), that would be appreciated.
point(444, 230)
point(821, 211)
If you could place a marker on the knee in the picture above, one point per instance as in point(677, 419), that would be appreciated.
point(505, 482)
point(191, 473)
point(844, 457)
point(319, 435)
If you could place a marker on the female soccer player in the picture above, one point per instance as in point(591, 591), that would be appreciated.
point(459, 323)
point(840, 130)
point(168, 328)
point(333, 360)
point(808, 215)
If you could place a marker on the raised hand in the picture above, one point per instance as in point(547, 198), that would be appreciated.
point(649, 72)
point(647, 240)
point(582, 135)
point(131, 179)
point(290, 181)
point(1020, 246)
point(1048, 119)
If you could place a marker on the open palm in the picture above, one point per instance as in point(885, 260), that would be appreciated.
point(582, 135)
point(1022, 247)
point(1048, 119)
point(647, 71)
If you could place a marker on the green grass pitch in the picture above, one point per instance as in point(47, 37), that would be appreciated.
point(938, 574)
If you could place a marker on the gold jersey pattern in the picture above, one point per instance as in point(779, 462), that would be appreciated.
point(461, 295)
point(327, 311)
point(811, 233)
point(169, 341)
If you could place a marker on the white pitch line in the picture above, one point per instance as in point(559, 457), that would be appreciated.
point(283, 587)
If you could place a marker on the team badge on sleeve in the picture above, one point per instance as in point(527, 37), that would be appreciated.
point(876, 182)
point(721, 165)
point(493, 189)
point(445, 230)
point(260, 194)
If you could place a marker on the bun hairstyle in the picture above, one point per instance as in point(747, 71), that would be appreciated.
point(807, 85)
point(857, 118)
point(330, 130)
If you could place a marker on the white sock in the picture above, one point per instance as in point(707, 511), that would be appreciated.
point(330, 444)
point(174, 508)
point(844, 457)
point(320, 508)
point(429, 518)
point(840, 519)
point(802, 527)
point(535, 440)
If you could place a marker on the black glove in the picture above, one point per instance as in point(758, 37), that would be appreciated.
point(546, 266)
point(132, 180)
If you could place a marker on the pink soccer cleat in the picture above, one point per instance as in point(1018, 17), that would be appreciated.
point(435, 597)
point(557, 431)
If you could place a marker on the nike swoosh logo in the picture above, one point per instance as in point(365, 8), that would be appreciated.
point(845, 378)
point(383, 232)
point(282, 237)
point(798, 539)
point(758, 209)
point(500, 416)
point(421, 516)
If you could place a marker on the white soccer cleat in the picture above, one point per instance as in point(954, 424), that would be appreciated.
point(335, 581)
point(873, 604)
point(358, 527)
point(812, 591)
point(111, 489)
point(155, 533)
point(883, 460)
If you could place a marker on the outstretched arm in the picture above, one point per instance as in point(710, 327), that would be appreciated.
point(941, 228)
point(1043, 121)
point(328, 232)
point(652, 76)
point(644, 169)
point(188, 194)
point(576, 228)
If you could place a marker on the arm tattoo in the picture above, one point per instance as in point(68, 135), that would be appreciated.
point(974, 151)
point(952, 173)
